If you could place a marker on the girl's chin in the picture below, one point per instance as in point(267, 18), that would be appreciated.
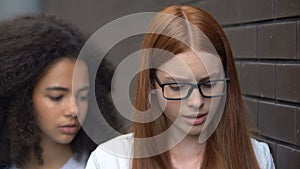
point(188, 130)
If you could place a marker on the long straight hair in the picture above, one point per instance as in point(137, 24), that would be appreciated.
point(230, 145)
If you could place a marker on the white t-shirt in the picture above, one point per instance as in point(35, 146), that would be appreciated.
point(72, 163)
point(105, 156)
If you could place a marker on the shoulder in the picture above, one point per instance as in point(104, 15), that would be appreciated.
point(114, 145)
point(113, 154)
point(263, 154)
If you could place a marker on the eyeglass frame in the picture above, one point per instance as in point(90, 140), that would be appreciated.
point(193, 86)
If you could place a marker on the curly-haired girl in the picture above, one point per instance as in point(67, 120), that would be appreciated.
point(41, 105)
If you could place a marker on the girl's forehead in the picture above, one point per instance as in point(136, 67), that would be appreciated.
point(192, 64)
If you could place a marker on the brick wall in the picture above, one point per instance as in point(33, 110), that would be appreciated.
point(265, 38)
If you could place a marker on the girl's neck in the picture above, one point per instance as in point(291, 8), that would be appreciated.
point(54, 156)
point(188, 153)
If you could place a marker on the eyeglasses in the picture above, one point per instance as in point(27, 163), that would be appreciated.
point(183, 90)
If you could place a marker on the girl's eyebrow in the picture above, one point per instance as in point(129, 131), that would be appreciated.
point(172, 78)
point(178, 79)
point(213, 75)
point(57, 88)
point(83, 89)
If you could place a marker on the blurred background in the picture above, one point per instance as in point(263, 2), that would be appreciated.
point(264, 36)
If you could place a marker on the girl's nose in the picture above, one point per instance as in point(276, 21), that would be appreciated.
point(196, 99)
point(71, 108)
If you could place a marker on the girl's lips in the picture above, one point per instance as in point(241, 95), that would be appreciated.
point(69, 129)
point(197, 120)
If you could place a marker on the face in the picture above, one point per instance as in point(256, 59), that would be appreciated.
point(59, 102)
point(190, 114)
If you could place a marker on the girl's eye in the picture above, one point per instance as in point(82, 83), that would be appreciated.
point(83, 98)
point(56, 98)
point(177, 87)
point(209, 84)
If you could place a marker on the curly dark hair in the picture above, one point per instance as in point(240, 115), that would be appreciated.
point(28, 45)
